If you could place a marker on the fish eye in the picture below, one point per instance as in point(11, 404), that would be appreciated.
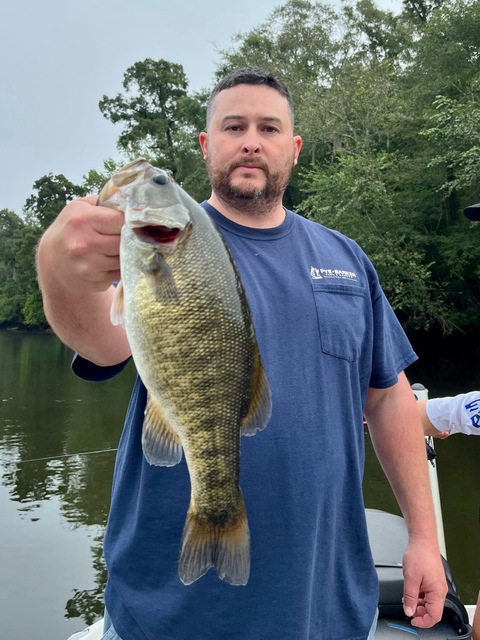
point(160, 178)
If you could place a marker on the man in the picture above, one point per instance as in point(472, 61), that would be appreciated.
point(333, 350)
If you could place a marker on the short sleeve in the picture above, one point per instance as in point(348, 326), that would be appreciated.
point(392, 351)
point(95, 373)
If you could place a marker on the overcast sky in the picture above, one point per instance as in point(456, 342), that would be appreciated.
point(59, 57)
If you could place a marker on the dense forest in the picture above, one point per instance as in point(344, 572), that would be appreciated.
point(388, 105)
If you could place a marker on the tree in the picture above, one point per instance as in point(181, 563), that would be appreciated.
point(420, 10)
point(53, 193)
point(94, 181)
point(150, 114)
point(298, 42)
point(41, 209)
point(390, 139)
point(455, 134)
point(161, 121)
point(357, 196)
point(11, 226)
point(388, 106)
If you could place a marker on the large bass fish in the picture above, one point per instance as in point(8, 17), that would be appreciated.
point(190, 331)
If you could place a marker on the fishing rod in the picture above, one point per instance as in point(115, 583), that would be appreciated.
point(65, 455)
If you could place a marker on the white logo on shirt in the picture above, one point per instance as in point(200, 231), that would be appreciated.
point(320, 274)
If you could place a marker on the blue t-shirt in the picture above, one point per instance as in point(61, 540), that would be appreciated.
point(326, 333)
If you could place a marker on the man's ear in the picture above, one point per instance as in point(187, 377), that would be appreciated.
point(202, 138)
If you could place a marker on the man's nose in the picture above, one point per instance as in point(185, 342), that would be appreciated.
point(251, 142)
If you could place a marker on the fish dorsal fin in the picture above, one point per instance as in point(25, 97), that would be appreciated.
point(116, 311)
point(161, 445)
point(260, 408)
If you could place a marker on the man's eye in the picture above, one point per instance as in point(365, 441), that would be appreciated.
point(270, 129)
point(234, 127)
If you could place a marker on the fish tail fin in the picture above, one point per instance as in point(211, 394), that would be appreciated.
point(227, 549)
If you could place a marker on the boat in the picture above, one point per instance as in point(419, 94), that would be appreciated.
point(388, 539)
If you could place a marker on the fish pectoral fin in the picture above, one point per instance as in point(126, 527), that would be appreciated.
point(260, 408)
point(226, 549)
point(161, 445)
point(117, 308)
point(160, 279)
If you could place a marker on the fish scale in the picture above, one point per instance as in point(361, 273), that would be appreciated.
point(190, 331)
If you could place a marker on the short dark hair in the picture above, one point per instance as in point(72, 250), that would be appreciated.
point(250, 75)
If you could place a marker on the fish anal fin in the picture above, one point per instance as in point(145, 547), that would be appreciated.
point(117, 308)
point(161, 445)
point(260, 408)
point(226, 549)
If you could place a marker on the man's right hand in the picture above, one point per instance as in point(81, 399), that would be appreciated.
point(77, 263)
point(81, 248)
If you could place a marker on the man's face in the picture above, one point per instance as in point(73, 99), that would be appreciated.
point(250, 149)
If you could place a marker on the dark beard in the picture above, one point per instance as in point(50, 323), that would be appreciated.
point(254, 199)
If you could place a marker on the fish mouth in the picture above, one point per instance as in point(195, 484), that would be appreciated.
point(157, 234)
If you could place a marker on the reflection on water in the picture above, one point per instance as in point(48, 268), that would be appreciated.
point(54, 506)
point(87, 604)
point(42, 560)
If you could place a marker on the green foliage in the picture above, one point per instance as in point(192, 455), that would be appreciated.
point(358, 197)
point(53, 193)
point(446, 50)
point(388, 106)
point(420, 10)
point(20, 298)
point(27, 285)
point(455, 134)
point(32, 310)
point(11, 229)
point(161, 120)
point(94, 181)
point(149, 109)
point(295, 42)
point(375, 34)
point(41, 209)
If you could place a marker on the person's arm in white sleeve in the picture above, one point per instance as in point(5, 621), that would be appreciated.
point(429, 428)
point(451, 414)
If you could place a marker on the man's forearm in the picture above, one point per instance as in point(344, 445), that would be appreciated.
point(399, 443)
point(83, 324)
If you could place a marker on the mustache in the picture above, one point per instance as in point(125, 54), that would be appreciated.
point(257, 162)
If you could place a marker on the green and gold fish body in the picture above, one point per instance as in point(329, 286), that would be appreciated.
point(189, 326)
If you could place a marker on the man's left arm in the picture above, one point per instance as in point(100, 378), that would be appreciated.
point(398, 440)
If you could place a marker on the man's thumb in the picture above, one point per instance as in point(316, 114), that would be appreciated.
point(409, 605)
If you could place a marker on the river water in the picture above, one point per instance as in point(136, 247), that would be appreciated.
point(54, 505)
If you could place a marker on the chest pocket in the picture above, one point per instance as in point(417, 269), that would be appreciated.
point(341, 319)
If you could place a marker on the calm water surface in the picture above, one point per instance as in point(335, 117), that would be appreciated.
point(54, 505)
